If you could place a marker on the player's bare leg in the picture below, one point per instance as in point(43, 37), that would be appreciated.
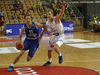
point(49, 57)
point(57, 49)
point(29, 58)
point(16, 60)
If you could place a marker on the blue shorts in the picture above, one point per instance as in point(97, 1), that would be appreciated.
point(31, 46)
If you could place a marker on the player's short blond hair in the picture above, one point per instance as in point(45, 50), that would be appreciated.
point(49, 11)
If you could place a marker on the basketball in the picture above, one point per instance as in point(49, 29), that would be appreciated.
point(19, 45)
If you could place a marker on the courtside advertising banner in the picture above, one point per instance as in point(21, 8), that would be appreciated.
point(14, 29)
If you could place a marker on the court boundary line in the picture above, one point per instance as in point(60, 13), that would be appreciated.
point(57, 61)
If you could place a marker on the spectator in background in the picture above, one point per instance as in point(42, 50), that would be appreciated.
point(90, 17)
point(1, 14)
point(41, 11)
point(23, 13)
point(32, 19)
point(70, 10)
point(43, 5)
point(38, 6)
point(21, 7)
point(68, 16)
point(15, 16)
point(90, 25)
point(98, 23)
point(28, 12)
point(95, 26)
point(95, 18)
point(45, 12)
point(66, 8)
point(58, 2)
point(73, 16)
point(19, 1)
point(1, 25)
point(33, 8)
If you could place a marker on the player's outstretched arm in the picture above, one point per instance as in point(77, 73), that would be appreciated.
point(21, 33)
point(43, 26)
point(59, 16)
point(41, 34)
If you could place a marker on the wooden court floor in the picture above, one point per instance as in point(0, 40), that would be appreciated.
point(88, 58)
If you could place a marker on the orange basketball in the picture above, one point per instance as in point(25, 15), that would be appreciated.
point(19, 45)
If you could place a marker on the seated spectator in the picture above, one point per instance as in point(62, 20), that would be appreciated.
point(21, 6)
point(58, 2)
point(37, 6)
point(19, 1)
point(32, 19)
point(59, 6)
point(98, 24)
point(95, 18)
point(67, 15)
point(70, 10)
point(33, 8)
point(15, 3)
point(41, 11)
point(28, 12)
point(2, 14)
point(17, 7)
point(23, 13)
point(73, 16)
point(90, 25)
point(1, 25)
point(66, 8)
point(43, 5)
point(90, 17)
point(95, 26)
point(15, 16)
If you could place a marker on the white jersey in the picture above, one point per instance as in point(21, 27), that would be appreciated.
point(55, 28)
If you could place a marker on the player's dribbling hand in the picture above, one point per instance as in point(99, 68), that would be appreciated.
point(63, 3)
point(49, 34)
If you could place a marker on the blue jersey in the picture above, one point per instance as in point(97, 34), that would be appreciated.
point(31, 33)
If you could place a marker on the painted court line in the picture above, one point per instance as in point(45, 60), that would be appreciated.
point(63, 61)
point(86, 45)
point(75, 40)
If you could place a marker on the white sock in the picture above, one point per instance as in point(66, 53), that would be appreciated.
point(12, 64)
point(60, 54)
point(50, 60)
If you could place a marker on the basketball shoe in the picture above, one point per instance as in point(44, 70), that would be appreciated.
point(47, 63)
point(60, 59)
point(10, 68)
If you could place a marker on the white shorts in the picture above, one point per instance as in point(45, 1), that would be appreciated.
point(55, 40)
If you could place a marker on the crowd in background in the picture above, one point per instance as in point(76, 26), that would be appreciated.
point(93, 23)
point(68, 13)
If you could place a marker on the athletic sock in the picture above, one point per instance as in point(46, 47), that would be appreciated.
point(50, 60)
point(60, 54)
point(12, 64)
point(27, 59)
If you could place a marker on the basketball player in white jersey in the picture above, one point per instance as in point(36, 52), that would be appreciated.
point(57, 30)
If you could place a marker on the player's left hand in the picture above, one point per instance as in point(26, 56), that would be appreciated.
point(49, 34)
point(63, 3)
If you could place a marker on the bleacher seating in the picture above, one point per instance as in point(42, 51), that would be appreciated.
point(8, 8)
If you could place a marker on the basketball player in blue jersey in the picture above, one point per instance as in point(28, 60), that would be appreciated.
point(57, 29)
point(31, 41)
